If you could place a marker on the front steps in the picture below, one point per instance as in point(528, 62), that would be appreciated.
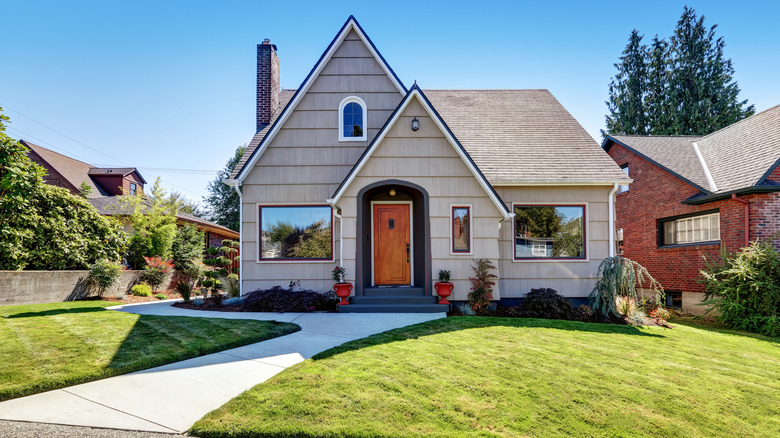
point(394, 300)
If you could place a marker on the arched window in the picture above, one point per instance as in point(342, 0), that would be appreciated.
point(352, 119)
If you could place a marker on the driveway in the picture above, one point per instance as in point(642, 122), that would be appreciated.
point(170, 398)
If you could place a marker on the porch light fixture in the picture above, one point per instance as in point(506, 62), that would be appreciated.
point(392, 192)
point(415, 124)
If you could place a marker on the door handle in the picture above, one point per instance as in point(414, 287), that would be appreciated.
point(407, 253)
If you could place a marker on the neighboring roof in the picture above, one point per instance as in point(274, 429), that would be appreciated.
point(738, 157)
point(113, 206)
point(742, 154)
point(415, 92)
point(110, 171)
point(350, 25)
point(284, 98)
point(675, 154)
point(74, 171)
point(524, 137)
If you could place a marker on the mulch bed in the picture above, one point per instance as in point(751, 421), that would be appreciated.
point(209, 305)
point(132, 299)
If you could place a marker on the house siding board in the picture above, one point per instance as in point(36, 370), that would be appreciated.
point(656, 194)
point(305, 162)
point(435, 174)
point(574, 278)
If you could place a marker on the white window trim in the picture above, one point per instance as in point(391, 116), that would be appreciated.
point(623, 188)
point(471, 235)
point(553, 260)
point(347, 100)
point(688, 218)
point(411, 239)
point(259, 238)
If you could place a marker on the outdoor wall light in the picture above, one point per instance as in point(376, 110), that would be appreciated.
point(415, 124)
point(392, 192)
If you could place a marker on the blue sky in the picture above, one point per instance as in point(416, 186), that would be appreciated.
point(169, 85)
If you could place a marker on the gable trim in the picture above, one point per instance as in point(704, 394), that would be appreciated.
point(706, 169)
point(606, 146)
point(765, 176)
point(416, 92)
point(350, 24)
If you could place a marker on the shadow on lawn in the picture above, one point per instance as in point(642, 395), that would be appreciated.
point(454, 324)
point(717, 328)
point(53, 312)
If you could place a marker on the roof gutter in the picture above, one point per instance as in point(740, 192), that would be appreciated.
point(752, 190)
point(236, 184)
point(562, 182)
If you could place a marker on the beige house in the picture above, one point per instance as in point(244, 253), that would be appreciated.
point(394, 183)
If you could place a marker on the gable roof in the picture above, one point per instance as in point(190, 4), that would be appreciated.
point(416, 92)
point(113, 171)
point(242, 169)
point(524, 137)
point(737, 158)
point(74, 171)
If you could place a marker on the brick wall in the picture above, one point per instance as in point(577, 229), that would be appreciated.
point(656, 194)
point(267, 83)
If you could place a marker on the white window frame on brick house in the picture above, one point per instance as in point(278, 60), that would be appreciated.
point(624, 187)
point(342, 105)
point(690, 229)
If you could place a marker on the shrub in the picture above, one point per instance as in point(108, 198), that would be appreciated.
point(120, 296)
point(482, 285)
point(744, 288)
point(156, 271)
point(233, 301)
point(660, 314)
point(466, 309)
point(198, 302)
point(187, 247)
point(185, 290)
point(141, 290)
point(103, 274)
point(444, 276)
point(231, 285)
point(619, 277)
point(278, 299)
point(161, 296)
point(338, 274)
point(547, 304)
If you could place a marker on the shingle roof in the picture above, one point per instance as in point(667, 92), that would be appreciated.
point(124, 171)
point(523, 135)
point(739, 155)
point(74, 171)
point(512, 136)
point(675, 153)
point(284, 98)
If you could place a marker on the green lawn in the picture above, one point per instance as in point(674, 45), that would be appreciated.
point(472, 376)
point(48, 346)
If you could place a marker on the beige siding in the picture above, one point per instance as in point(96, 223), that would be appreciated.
point(305, 162)
point(427, 159)
point(569, 278)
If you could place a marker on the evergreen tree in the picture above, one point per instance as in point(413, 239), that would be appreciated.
point(683, 87)
point(627, 90)
point(223, 200)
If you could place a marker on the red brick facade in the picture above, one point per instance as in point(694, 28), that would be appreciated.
point(656, 194)
point(267, 83)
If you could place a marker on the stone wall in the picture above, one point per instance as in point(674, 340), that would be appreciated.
point(34, 287)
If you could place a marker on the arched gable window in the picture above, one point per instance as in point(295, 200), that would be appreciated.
point(352, 119)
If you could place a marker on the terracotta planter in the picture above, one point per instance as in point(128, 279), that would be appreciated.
point(443, 290)
point(343, 290)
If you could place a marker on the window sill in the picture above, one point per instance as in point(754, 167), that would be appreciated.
point(353, 139)
point(687, 245)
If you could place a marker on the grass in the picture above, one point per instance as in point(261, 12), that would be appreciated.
point(470, 376)
point(49, 346)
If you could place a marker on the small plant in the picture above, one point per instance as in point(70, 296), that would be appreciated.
point(626, 306)
point(185, 290)
point(619, 277)
point(660, 315)
point(198, 302)
point(338, 274)
point(161, 296)
point(444, 276)
point(103, 274)
point(141, 290)
point(235, 301)
point(482, 285)
point(156, 270)
point(120, 296)
point(466, 310)
point(232, 285)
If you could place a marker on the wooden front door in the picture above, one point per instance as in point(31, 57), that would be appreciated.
point(392, 240)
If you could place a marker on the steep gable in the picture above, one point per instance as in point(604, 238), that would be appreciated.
point(350, 65)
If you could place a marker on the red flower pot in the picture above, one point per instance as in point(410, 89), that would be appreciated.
point(343, 290)
point(443, 290)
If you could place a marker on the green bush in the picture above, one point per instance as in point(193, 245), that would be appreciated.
point(744, 288)
point(141, 290)
point(188, 246)
point(185, 290)
point(482, 285)
point(615, 293)
point(161, 296)
point(103, 274)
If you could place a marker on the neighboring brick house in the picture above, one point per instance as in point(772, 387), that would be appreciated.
point(692, 195)
point(107, 184)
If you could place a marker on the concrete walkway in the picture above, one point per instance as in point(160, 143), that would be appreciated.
point(172, 397)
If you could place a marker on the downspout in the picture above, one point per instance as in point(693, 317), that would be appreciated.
point(746, 205)
point(612, 220)
point(341, 231)
point(236, 184)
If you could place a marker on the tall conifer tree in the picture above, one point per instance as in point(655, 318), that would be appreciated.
point(627, 90)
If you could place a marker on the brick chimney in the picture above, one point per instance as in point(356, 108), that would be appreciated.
point(267, 83)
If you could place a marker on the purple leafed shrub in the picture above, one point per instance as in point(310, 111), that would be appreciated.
point(278, 299)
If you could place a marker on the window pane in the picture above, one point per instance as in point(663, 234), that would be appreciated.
point(296, 233)
point(353, 120)
point(549, 231)
point(715, 227)
point(461, 229)
point(670, 233)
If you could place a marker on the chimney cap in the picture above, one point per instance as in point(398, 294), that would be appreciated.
point(266, 41)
